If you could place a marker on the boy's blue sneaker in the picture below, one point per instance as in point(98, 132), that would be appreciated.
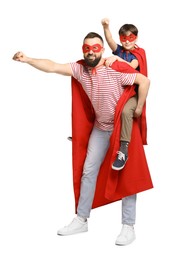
point(120, 161)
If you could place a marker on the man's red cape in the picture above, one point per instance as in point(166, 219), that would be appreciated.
point(111, 185)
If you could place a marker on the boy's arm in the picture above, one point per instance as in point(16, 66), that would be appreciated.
point(44, 64)
point(112, 44)
point(144, 84)
point(134, 63)
point(109, 61)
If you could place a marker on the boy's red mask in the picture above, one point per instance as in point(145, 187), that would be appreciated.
point(130, 38)
point(94, 48)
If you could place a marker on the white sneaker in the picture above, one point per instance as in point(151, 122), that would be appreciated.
point(126, 236)
point(76, 226)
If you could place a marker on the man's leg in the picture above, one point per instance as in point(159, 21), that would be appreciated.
point(127, 234)
point(97, 148)
point(129, 210)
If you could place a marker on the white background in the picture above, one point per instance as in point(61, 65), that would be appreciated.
point(36, 192)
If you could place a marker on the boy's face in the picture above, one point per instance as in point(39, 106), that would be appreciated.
point(128, 41)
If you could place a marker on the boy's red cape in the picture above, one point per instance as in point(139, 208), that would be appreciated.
point(141, 57)
point(111, 185)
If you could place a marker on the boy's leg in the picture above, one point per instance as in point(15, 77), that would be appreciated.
point(127, 119)
point(126, 131)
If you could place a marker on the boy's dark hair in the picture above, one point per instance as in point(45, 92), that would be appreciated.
point(93, 35)
point(128, 27)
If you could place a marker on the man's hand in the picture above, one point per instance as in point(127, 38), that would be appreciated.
point(20, 56)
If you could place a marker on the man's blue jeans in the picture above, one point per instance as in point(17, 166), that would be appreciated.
point(97, 148)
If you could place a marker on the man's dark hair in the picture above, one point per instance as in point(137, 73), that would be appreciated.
point(128, 27)
point(93, 35)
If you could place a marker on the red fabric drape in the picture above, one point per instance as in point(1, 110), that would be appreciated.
point(111, 185)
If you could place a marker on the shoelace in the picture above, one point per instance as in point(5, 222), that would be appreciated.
point(70, 223)
point(126, 229)
point(121, 156)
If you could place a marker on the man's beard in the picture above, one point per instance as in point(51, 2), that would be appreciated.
point(92, 63)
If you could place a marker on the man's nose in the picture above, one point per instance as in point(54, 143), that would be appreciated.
point(90, 52)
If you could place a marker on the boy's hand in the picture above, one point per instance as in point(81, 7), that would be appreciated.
point(138, 112)
point(109, 61)
point(105, 22)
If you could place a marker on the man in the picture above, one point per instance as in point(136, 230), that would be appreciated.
point(98, 94)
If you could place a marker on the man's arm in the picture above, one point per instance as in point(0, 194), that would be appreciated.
point(44, 64)
point(112, 44)
point(143, 87)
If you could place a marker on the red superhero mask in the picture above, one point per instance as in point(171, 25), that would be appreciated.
point(130, 38)
point(94, 48)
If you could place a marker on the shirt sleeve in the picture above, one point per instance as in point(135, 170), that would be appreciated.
point(128, 78)
point(118, 50)
point(77, 70)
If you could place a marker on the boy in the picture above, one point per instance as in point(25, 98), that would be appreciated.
point(130, 53)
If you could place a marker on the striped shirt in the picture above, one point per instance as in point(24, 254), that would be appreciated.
point(104, 90)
